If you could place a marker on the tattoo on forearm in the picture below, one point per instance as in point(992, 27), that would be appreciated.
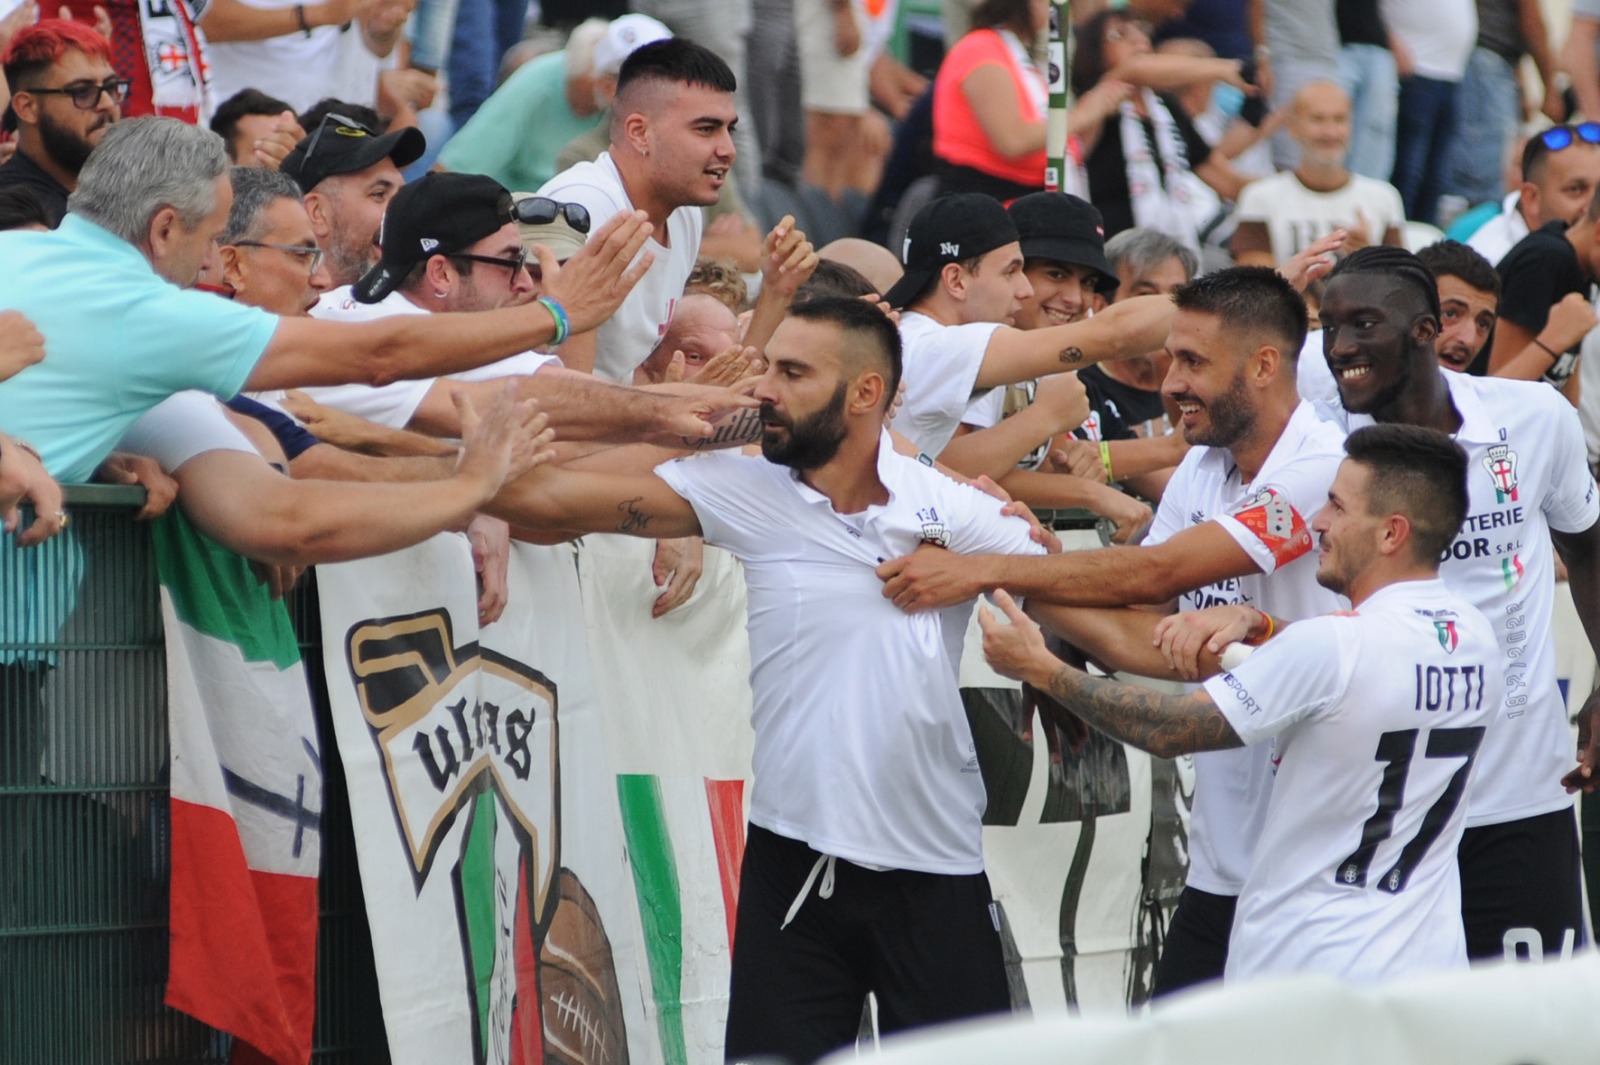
point(1072, 356)
point(634, 520)
point(1164, 725)
point(743, 428)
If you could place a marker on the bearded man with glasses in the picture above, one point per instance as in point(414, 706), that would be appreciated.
point(65, 95)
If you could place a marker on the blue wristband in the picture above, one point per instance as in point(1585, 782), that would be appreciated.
point(559, 313)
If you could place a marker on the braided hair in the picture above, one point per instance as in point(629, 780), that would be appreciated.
point(1396, 263)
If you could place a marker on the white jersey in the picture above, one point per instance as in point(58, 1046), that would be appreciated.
point(1297, 217)
point(1270, 519)
point(626, 339)
point(1376, 721)
point(184, 425)
point(941, 364)
point(862, 748)
point(1527, 474)
point(394, 404)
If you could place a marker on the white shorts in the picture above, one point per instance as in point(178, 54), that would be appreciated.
point(830, 82)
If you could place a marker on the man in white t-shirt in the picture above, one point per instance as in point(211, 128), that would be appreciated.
point(1281, 215)
point(1529, 483)
point(1373, 721)
point(671, 149)
point(963, 286)
point(865, 842)
point(1231, 528)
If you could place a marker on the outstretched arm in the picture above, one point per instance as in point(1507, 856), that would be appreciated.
point(1164, 725)
point(553, 498)
point(1136, 326)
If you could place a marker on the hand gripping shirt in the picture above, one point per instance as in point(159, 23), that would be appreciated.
point(1270, 518)
point(862, 749)
point(1377, 721)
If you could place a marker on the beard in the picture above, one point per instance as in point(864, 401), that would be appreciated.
point(1230, 417)
point(67, 147)
point(809, 443)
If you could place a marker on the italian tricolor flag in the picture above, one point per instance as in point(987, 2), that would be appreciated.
point(246, 802)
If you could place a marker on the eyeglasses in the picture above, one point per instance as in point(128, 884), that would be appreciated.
point(86, 97)
point(309, 255)
point(1558, 137)
point(541, 211)
point(515, 263)
point(342, 126)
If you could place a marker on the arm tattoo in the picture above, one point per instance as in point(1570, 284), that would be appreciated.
point(1072, 356)
point(743, 428)
point(1164, 725)
point(635, 520)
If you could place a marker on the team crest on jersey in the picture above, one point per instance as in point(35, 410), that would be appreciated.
point(1276, 523)
point(1449, 638)
point(1501, 462)
point(933, 528)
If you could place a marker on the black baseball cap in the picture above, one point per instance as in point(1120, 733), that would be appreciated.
point(343, 146)
point(949, 230)
point(1063, 229)
point(438, 214)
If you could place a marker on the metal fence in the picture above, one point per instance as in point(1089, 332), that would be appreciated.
point(84, 816)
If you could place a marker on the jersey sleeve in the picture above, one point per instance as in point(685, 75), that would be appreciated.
point(181, 427)
point(1570, 504)
point(980, 528)
point(940, 383)
point(1288, 680)
point(724, 490)
point(1273, 525)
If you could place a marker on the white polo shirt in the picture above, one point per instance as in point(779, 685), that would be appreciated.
point(1377, 721)
point(862, 749)
point(626, 339)
point(1527, 473)
point(1270, 518)
point(182, 426)
point(395, 404)
point(941, 364)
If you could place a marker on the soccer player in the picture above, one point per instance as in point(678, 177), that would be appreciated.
point(1529, 482)
point(864, 866)
point(1375, 720)
point(1230, 529)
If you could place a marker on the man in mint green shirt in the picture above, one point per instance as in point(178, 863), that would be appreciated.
point(517, 133)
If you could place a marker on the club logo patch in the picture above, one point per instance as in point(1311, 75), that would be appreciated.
point(1501, 462)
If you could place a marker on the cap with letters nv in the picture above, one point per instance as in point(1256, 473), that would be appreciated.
point(949, 230)
point(438, 214)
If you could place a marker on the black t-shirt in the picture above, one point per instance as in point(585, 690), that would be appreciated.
point(1538, 271)
point(1117, 407)
point(20, 170)
point(1360, 22)
point(1107, 167)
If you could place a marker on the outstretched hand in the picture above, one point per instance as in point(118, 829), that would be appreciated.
point(594, 282)
point(1015, 647)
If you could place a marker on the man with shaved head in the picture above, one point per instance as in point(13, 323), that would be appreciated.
point(1282, 214)
point(875, 262)
point(702, 326)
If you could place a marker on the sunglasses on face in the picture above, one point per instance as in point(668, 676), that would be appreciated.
point(341, 126)
point(515, 263)
point(86, 96)
point(541, 211)
point(1558, 137)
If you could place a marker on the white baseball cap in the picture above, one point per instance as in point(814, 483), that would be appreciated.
point(622, 37)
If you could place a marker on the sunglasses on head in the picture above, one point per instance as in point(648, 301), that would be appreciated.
point(341, 126)
point(541, 211)
point(1558, 137)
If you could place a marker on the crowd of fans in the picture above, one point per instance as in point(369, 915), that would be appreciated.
point(336, 277)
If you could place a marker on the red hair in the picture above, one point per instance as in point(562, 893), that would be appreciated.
point(36, 48)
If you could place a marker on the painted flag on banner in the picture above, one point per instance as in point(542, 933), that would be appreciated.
point(246, 802)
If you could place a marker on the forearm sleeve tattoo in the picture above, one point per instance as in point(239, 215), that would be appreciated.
point(1164, 725)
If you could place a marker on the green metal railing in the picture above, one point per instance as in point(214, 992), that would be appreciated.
point(84, 816)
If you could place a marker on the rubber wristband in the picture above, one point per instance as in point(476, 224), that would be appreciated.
point(1105, 461)
point(1257, 641)
point(559, 313)
point(1552, 352)
point(300, 17)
